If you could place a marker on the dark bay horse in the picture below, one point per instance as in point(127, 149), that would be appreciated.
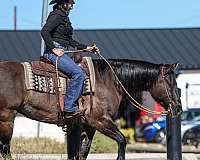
point(136, 76)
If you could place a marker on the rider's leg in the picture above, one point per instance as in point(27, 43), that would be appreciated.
point(75, 86)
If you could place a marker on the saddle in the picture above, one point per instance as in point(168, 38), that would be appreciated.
point(44, 66)
point(41, 76)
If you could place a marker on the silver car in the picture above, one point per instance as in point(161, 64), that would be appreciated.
point(186, 125)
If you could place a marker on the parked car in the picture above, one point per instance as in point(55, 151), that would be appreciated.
point(190, 122)
point(187, 124)
point(192, 136)
point(155, 132)
point(190, 114)
point(190, 131)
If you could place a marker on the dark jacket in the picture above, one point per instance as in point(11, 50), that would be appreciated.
point(58, 28)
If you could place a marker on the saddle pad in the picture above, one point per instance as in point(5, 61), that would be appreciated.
point(39, 82)
point(91, 79)
point(44, 84)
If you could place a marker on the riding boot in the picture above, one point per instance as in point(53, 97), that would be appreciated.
point(71, 115)
point(70, 118)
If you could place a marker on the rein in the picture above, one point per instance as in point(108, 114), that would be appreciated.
point(167, 92)
point(131, 99)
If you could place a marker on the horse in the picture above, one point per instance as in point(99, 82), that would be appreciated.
point(137, 76)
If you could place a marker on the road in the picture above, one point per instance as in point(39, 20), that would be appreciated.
point(132, 156)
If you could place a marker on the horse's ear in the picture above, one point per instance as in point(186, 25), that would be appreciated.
point(174, 66)
point(170, 67)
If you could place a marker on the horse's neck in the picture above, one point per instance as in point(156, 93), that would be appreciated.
point(135, 82)
point(136, 76)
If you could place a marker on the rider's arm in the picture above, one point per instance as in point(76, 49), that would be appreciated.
point(76, 44)
point(80, 46)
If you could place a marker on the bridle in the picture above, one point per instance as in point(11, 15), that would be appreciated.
point(170, 110)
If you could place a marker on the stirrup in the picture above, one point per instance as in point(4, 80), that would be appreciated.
point(67, 129)
point(71, 115)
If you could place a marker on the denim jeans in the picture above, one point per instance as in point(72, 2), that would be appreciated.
point(76, 75)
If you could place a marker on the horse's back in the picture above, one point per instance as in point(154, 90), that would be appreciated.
point(10, 67)
point(11, 84)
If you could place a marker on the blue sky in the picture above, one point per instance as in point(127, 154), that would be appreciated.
point(98, 14)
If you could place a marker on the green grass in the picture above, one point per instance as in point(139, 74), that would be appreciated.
point(101, 144)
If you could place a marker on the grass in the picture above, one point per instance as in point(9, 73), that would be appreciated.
point(37, 146)
point(101, 144)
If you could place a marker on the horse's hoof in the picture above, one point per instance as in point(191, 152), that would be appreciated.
point(120, 158)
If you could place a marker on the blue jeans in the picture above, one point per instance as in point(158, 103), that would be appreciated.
point(76, 75)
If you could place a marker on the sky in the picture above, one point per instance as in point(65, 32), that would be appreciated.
point(107, 14)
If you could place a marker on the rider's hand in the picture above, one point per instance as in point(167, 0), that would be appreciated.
point(93, 49)
point(58, 51)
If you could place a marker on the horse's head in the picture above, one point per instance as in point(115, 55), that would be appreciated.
point(166, 91)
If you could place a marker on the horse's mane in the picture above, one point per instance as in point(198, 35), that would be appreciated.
point(135, 75)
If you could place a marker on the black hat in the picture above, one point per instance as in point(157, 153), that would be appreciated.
point(60, 1)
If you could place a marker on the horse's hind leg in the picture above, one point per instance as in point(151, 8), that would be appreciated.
point(87, 135)
point(107, 127)
point(6, 130)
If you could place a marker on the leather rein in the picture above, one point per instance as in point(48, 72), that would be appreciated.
point(135, 102)
point(130, 98)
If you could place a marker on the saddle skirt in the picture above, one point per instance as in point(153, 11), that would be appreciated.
point(41, 76)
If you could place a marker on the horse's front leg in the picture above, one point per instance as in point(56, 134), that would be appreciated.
point(86, 141)
point(106, 126)
point(73, 140)
point(6, 130)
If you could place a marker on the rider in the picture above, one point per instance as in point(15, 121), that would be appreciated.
point(57, 34)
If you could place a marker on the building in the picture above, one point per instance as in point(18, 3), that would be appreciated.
point(154, 45)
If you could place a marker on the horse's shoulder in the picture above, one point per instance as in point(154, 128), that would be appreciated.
point(10, 73)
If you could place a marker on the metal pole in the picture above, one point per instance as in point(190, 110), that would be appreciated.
point(43, 20)
point(15, 18)
point(44, 17)
point(186, 94)
point(38, 130)
point(174, 148)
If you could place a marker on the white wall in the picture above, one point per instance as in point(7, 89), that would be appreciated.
point(193, 78)
point(25, 127)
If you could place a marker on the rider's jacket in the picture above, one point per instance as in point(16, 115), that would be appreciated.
point(58, 28)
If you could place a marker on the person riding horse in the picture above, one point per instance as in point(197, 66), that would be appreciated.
point(57, 34)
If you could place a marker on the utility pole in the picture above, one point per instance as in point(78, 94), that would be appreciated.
point(43, 20)
point(15, 18)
